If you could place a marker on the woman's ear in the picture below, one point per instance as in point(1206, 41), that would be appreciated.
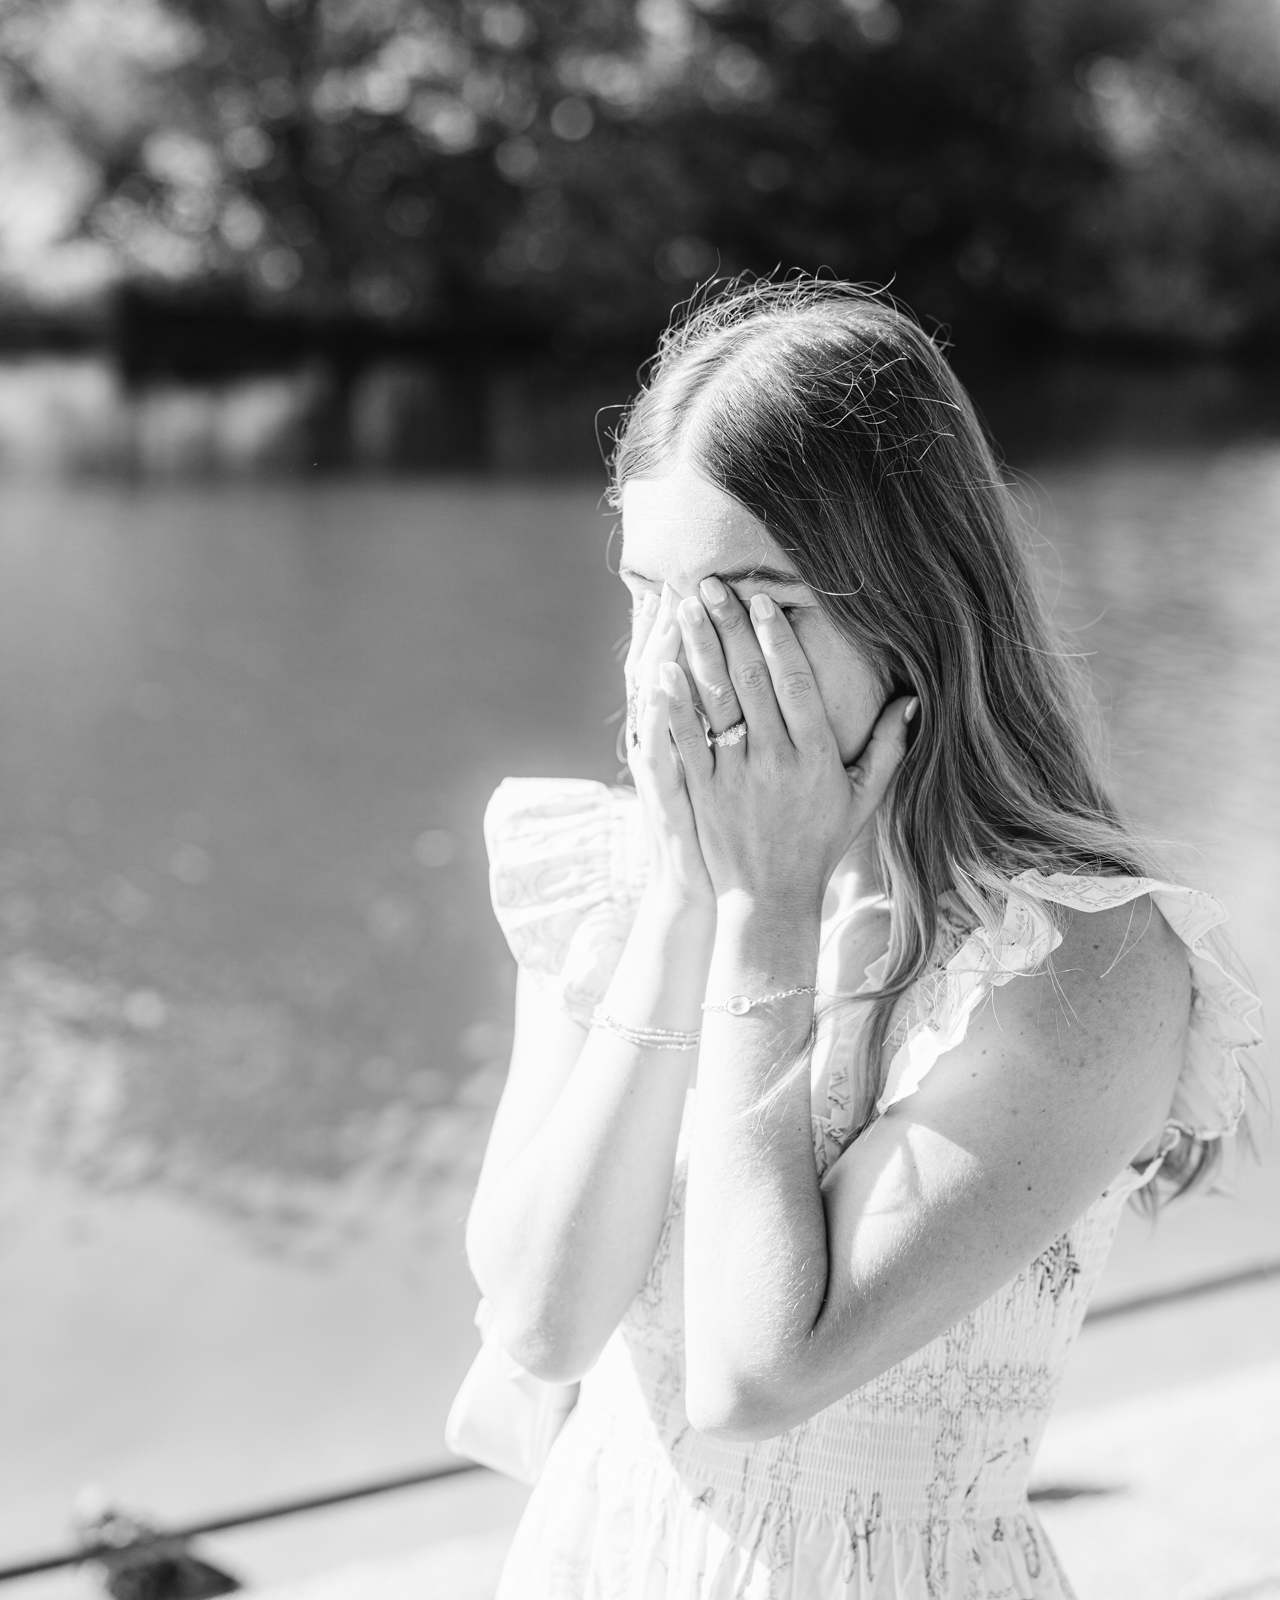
point(888, 696)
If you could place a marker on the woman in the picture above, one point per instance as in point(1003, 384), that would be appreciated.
point(944, 1020)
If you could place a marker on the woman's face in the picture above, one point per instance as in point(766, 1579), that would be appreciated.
point(679, 529)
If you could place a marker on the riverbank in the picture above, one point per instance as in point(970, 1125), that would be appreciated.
point(77, 415)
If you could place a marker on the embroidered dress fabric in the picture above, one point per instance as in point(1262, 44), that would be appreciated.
point(914, 1485)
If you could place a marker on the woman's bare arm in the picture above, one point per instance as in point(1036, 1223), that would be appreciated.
point(796, 1291)
point(577, 1176)
point(799, 1292)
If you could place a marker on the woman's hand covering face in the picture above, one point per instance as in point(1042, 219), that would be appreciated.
point(677, 871)
point(812, 704)
point(776, 811)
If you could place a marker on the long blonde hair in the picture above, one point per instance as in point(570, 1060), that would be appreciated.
point(834, 418)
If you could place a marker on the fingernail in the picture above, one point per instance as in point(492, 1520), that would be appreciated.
point(762, 608)
point(669, 674)
point(913, 705)
point(648, 603)
point(691, 612)
point(713, 591)
point(651, 694)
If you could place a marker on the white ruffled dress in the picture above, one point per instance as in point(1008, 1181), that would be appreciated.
point(914, 1486)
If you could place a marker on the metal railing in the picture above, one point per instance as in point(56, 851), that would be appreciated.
point(183, 1532)
point(1186, 1291)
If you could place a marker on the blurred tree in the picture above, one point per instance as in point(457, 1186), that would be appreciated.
point(1098, 166)
point(561, 170)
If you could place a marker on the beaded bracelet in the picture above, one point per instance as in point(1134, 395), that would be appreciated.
point(737, 1005)
point(646, 1038)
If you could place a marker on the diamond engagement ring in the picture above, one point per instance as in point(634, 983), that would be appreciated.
point(731, 736)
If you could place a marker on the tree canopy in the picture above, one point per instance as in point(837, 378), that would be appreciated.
point(562, 170)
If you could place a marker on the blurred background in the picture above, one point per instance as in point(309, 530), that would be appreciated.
point(314, 319)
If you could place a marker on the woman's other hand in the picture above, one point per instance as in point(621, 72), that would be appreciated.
point(678, 876)
point(776, 811)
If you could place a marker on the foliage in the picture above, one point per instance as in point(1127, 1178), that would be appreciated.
point(563, 169)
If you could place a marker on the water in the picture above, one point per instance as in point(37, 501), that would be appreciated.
point(248, 737)
point(251, 993)
point(253, 1009)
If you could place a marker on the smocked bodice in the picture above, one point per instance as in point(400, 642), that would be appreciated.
point(947, 1434)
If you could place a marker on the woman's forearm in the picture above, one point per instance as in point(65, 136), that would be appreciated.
point(561, 1241)
point(756, 1243)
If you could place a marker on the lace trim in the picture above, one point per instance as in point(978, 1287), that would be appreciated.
point(567, 867)
point(1209, 1099)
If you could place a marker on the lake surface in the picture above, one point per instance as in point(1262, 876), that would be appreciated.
point(253, 1007)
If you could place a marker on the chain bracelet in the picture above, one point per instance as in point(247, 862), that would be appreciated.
point(737, 1005)
point(646, 1038)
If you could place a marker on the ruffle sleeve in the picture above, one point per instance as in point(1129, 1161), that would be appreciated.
point(1026, 937)
point(1223, 1027)
point(567, 865)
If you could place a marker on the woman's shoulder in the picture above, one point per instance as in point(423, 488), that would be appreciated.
point(1145, 962)
point(1125, 942)
point(1133, 962)
point(1093, 984)
point(1120, 971)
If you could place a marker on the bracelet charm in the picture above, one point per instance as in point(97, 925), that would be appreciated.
point(737, 1005)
